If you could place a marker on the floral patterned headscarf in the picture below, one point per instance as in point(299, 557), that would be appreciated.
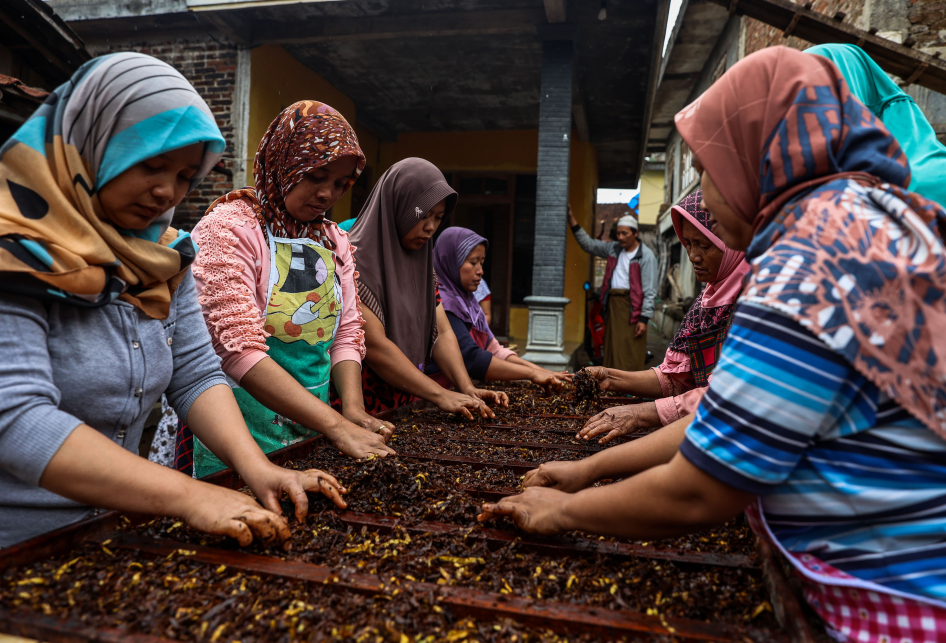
point(305, 136)
point(713, 306)
point(840, 245)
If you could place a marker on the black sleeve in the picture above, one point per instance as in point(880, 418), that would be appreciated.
point(475, 358)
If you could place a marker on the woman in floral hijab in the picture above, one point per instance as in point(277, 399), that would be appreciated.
point(277, 284)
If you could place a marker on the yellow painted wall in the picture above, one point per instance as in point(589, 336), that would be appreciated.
point(582, 195)
point(277, 81)
point(652, 195)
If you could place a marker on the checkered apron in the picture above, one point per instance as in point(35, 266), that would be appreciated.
point(856, 610)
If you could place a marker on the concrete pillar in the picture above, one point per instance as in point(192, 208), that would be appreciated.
point(240, 120)
point(546, 341)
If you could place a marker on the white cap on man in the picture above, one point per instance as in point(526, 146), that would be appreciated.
point(628, 221)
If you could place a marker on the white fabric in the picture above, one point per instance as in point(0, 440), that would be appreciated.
point(621, 279)
point(482, 291)
point(628, 221)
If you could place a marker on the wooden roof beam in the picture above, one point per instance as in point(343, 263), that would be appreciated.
point(798, 20)
point(442, 25)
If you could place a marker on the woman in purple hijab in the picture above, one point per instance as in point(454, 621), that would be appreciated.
point(458, 262)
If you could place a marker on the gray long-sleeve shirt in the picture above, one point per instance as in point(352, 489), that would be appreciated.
point(62, 366)
point(645, 257)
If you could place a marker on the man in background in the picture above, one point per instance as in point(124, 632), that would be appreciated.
point(627, 292)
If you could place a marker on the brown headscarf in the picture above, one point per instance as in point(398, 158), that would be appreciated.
point(304, 137)
point(396, 284)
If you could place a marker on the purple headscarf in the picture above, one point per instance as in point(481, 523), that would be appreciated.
point(451, 251)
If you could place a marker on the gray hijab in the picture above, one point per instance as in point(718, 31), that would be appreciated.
point(396, 284)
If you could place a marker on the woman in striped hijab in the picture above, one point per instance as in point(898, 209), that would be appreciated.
point(826, 415)
point(99, 314)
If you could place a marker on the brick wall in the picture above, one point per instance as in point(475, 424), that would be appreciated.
point(555, 118)
point(760, 35)
point(211, 67)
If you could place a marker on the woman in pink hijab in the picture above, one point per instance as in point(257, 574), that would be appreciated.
point(678, 384)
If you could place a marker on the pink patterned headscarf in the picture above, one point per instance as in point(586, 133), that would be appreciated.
point(713, 306)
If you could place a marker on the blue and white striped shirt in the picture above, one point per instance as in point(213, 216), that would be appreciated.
point(846, 474)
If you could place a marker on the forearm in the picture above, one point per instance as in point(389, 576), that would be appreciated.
point(215, 418)
point(91, 469)
point(589, 245)
point(506, 369)
point(664, 501)
point(346, 376)
point(629, 459)
point(641, 383)
point(447, 354)
point(273, 387)
point(515, 359)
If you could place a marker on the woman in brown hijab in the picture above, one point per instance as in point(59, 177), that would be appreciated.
point(405, 326)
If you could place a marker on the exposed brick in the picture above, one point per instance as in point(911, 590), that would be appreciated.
point(548, 271)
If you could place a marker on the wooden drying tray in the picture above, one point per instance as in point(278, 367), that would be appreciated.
point(557, 615)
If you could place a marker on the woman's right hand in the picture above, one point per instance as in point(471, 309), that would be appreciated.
point(565, 476)
point(552, 382)
point(600, 373)
point(465, 405)
point(220, 511)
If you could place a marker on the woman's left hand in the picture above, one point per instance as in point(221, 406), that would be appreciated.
point(537, 510)
point(490, 397)
point(373, 424)
point(271, 482)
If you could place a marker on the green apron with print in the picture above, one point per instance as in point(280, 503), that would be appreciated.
point(302, 317)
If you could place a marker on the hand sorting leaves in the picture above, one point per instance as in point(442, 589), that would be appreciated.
point(231, 513)
point(536, 510)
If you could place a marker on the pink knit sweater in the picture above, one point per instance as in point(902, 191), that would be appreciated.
point(232, 275)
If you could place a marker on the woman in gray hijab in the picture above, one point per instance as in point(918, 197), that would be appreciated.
point(406, 328)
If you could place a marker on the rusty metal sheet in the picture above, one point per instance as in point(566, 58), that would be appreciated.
point(515, 466)
point(785, 604)
point(553, 430)
point(517, 443)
